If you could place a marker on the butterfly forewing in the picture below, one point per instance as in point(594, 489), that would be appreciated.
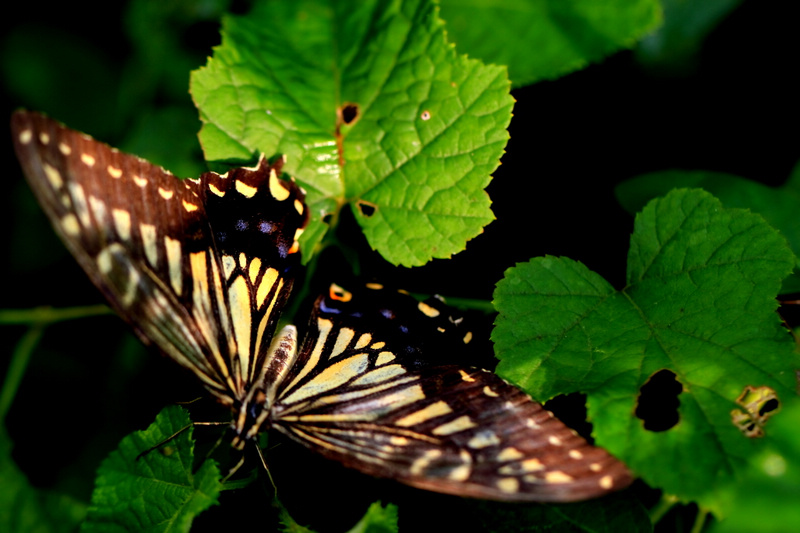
point(198, 267)
point(360, 395)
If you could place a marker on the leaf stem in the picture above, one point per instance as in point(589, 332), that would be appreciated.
point(663, 506)
point(48, 315)
point(699, 520)
point(16, 368)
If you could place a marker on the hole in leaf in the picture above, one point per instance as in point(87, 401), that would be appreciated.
point(759, 404)
point(367, 208)
point(658, 401)
point(349, 113)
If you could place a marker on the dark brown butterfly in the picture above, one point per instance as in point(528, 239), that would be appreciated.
point(202, 269)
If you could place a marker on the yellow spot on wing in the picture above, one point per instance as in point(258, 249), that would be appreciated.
point(363, 341)
point(69, 223)
point(173, 248)
point(114, 172)
point(374, 286)
point(508, 484)
point(509, 454)
point(148, 232)
point(53, 175)
point(462, 423)
point(255, 267)
point(267, 282)
point(465, 376)
point(383, 358)
point(276, 187)
point(433, 410)
point(64, 148)
point(483, 439)
point(44, 137)
point(25, 136)
point(140, 181)
point(245, 189)
point(557, 476)
point(342, 341)
point(189, 206)
point(606, 482)
point(228, 264)
point(166, 194)
point(427, 310)
point(216, 191)
point(420, 464)
point(298, 206)
point(88, 159)
point(122, 222)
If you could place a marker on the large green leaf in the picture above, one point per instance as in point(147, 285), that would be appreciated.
point(25, 509)
point(373, 108)
point(542, 39)
point(778, 205)
point(159, 491)
point(699, 302)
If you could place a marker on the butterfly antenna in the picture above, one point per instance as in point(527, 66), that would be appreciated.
point(235, 468)
point(266, 469)
point(184, 428)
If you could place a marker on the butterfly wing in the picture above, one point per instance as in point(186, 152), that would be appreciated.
point(200, 267)
point(367, 398)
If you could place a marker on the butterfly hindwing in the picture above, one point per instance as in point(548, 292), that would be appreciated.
point(199, 267)
point(360, 395)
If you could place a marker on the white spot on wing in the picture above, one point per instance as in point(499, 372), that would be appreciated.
point(149, 239)
point(173, 248)
point(122, 222)
point(53, 175)
point(25, 136)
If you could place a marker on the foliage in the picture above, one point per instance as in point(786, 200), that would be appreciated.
point(394, 117)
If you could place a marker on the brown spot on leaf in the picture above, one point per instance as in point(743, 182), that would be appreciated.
point(759, 404)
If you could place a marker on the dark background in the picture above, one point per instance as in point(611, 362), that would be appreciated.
point(732, 107)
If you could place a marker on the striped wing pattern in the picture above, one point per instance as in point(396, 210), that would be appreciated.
point(367, 398)
point(199, 267)
point(202, 268)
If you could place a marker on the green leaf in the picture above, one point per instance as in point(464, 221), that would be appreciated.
point(374, 110)
point(25, 509)
point(765, 501)
point(378, 519)
point(543, 39)
point(778, 205)
point(699, 302)
point(158, 492)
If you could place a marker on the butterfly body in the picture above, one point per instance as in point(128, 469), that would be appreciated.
point(202, 268)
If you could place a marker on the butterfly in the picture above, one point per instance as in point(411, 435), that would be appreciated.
point(202, 269)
